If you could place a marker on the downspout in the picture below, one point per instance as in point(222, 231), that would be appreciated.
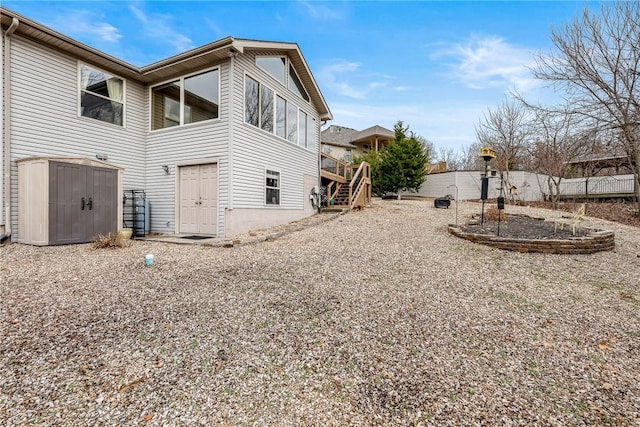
point(7, 127)
point(319, 145)
point(232, 56)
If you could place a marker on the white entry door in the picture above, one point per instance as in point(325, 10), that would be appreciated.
point(199, 199)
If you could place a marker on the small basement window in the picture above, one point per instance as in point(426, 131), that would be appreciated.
point(272, 188)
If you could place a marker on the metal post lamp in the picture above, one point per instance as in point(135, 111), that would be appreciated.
point(486, 154)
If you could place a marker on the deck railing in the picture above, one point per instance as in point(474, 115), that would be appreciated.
point(359, 182)
point(340, 174)
point(597, 185)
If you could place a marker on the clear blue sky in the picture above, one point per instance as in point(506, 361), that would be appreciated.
point(435, 65)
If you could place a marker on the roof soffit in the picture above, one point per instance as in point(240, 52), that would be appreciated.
point(198, 58)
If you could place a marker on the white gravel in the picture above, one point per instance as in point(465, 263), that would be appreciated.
point(378, 317)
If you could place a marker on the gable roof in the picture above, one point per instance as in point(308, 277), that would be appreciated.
point(374, 131)
point(338, 135)
point(175, 65)
point(348, 137)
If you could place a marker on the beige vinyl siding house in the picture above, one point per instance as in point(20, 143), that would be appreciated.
point(177, 128)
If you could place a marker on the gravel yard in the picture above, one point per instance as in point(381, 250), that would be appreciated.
point(377, 317)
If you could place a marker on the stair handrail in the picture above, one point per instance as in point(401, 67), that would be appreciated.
point(359, 181)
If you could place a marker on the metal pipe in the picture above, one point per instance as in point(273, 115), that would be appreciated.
point(7, 125)
point(454, 185)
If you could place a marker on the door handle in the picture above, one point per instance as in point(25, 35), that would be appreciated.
point(82, 208)
point(90, 204)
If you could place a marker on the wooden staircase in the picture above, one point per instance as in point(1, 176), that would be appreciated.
point(348, 186)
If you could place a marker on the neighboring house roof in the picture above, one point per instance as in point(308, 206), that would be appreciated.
point(347, 137)
point(338, 135)
point(374, 131)
point(599, 157)
point(602, 160)
point(174, 66)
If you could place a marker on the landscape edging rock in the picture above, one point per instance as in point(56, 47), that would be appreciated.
point(595, 241)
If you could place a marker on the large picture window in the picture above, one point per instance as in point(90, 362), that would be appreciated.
point(101, 96)
point(201, 97)
point(302, 129)
point(281, 114)
point(311, 134)
point(187, 100)
point(272, 188)
point(292, 122)
point(258, 104)
point(267, 110)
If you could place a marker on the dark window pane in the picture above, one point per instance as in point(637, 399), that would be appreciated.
point(251, 101)
point(165, 105)
point(281, 111)
point(201, 97)
point(296, 86)
point(302, 129)
point(266, 108)
point(100, 108)
point(273, 65)
point(311, 134)
point(273, 196)
point(292, 122)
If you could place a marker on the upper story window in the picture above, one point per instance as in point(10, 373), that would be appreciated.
point(266, 109)
point(186, 100)
point(101, 95)
point(258, 104)
point(274, 65)
point(311, 133)
point(295, 85)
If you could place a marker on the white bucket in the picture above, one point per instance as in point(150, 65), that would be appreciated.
point(148, 259)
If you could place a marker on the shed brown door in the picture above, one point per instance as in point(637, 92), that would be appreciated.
point(83, 202)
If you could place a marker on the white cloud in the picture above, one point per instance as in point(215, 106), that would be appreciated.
point(159, 28)
point(346, 79)
point(321, 12)
point(489, 62)
point(85, 24)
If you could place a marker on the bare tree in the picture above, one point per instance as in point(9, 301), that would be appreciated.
point(506, 130)
point(597, 65)
point(450, 157)
point(469, 159)
point(554, 145)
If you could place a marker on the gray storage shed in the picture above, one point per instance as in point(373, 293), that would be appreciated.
point(63, 200)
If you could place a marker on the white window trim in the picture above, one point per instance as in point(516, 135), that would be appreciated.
point(279, 188)
point(291, 67)
point(181, 81)
point(276, 94)
point(244, 100)
point(286, 65)
point(79, 96)
point(287, 76)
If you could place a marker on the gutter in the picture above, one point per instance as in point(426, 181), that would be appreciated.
point(7, 127)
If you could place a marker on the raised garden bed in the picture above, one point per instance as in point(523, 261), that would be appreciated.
point(522, 233)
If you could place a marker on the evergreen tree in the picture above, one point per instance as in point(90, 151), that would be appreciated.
point(402, 163)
